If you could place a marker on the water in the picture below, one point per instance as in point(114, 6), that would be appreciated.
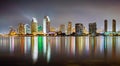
point(39, 50)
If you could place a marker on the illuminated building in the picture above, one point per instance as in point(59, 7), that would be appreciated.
point(79, 28)
point(113, 25)
point(40, 28)
point(21, 29)
point(85, 31)
point(73, 30)
point(69, 28)
point(34, 26)
point(46, 25)
point(52, 29)
point(105, 25)
point(27, 29)
point(62, 28)
point(12, 31)
point(92, 28)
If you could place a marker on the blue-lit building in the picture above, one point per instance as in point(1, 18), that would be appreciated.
point(79, 28)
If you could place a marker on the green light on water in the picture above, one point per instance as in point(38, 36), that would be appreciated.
point(40, 43)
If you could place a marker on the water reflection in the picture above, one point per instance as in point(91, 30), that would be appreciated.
point(11, 44)
point(53, 49)
point(34, 42)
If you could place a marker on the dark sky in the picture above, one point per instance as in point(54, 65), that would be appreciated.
point(13, 12)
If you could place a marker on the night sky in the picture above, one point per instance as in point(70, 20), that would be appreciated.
point(13, 12)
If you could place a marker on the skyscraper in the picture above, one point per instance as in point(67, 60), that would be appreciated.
point(69, 28)
point(21, 28)
point(27, 29)
point(79, 28)
point(113, 25)
point(62, 28)
point(46, 24)
point(34, 26)
point(92, 28)
point(105, 25)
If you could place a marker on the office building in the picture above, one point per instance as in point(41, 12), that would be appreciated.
point(69, 28)
point(113, 25)
point(79, 29)
point(92, 28)
point(105, 25)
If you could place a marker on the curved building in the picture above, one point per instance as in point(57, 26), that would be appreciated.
point(34, 26)
point(46, 24)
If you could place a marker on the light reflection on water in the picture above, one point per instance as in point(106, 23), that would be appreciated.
point(54, 49)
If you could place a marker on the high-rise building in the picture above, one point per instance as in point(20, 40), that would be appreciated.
point(113, 25)
point(52, 29)
point(105, 25)
point(40, 28)
point(46, 24)
point(69, 28)
point(73, 29)
point(79, 28)
point(21, 28)
point(34, 26)
point(92, 28)
point(27, 29)
point(62, 28)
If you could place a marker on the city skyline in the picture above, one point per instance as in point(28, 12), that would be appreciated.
point(60, 11)
point(35, 28)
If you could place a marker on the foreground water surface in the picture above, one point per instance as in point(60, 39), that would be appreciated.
point(39, 50)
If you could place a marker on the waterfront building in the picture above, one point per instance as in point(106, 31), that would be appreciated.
point(46, 24)
point(69, 28)
point(105, 25)
point(62, 28)
point(113, 25)
point(21, 28)
point(34, 26)
point(92, 28)
point(79, 28)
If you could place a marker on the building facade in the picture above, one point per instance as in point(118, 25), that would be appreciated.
point(46, 24)
point(79, 28)
point(21, 28)
point(92, 28)
point(62, 28)
point(69, 28)
point(113, 25)
point(34, 26)
point(105, 25)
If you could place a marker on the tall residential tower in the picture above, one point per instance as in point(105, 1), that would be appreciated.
point(46, 24)
point(113, 25)
point(79, 28)
point(21, 28)
point(34, 26)
point(105, 25)
point(69, 28)
point(92, 28)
